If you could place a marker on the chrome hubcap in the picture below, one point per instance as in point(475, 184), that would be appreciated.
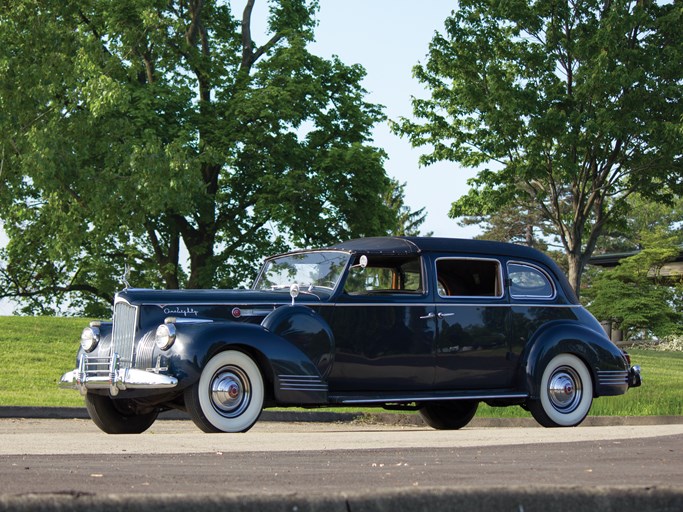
point(230, 391)
point(564, 389)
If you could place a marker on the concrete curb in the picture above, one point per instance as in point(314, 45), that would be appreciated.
point(541, 499)
point(314, 416)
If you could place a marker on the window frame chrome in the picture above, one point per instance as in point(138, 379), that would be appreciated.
point(543, 272)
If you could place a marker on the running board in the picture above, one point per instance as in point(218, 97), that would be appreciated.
point(432, 396)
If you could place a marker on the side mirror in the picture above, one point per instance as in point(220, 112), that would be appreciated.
point(362, 262)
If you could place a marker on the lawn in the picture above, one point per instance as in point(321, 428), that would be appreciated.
point(35, 352)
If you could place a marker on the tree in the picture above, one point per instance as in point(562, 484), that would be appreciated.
point(132, 131)
point(521, 224)
point(408, 222)
point(644, 219)
point(573, 105)
point(635, 296)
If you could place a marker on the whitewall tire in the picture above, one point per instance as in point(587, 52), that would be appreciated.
point(565, 393)
point(229, 395)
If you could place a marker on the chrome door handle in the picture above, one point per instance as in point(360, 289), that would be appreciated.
point(427, 317)
point(444, 315)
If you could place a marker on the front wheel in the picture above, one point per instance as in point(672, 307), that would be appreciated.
point(449, 416)
point(118, 416)
point(566, 393)
point(229, 394)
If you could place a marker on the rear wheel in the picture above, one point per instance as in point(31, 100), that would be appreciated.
point(229, 394)
point(118, 416)
point(449, 416)
point(565, 393)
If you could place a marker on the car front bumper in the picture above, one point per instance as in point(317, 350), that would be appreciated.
point(103, 373)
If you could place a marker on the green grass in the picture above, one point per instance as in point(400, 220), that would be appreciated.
point(35, 352)
point(660, 394)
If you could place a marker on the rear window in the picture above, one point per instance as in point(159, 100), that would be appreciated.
point(528, 282)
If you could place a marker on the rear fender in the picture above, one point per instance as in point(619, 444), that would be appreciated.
point(599, 354)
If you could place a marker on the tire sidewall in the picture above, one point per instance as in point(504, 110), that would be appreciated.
point(576, 416)
point(249, 416)
point(109, 418)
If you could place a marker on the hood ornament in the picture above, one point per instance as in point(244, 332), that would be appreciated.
point(126, 276)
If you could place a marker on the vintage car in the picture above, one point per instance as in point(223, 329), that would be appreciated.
point(427, 324)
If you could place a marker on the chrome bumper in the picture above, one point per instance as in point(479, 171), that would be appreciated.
point(103, 373)
point(634, 378)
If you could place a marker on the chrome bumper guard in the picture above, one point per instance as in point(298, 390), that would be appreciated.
point(634, 378)
point(104, 372)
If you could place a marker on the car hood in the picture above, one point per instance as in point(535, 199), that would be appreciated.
point(212, 297)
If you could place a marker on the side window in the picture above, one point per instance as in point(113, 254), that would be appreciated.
point(529, 282)
point(385, 275)
point(462, 277)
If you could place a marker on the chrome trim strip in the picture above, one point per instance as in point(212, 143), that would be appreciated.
point(613, 377)
point(439, 398)
point(301, 383)
point(452, 304)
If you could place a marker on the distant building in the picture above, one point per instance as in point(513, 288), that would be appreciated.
point(671, 269)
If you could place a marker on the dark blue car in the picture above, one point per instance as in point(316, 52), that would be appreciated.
point(427, 324)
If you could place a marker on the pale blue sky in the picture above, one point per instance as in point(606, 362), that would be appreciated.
point(388, 37)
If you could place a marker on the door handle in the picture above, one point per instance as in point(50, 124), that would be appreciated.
point(444, 315)
point(427, 317)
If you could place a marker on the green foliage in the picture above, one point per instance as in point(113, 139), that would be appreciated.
point(635, 296)
point(567, 107)
point(642, 220)
point(408, 221)
point(132, 130)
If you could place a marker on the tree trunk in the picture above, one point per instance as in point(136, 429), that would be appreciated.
point(576, 264)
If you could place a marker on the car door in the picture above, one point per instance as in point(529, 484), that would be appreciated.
point(383, 336)
point(472, 315)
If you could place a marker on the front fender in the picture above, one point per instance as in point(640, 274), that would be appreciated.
point(294, 376)
point(307, 330)
point(603, 359)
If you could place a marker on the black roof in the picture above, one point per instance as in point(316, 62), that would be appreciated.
point(405, 245)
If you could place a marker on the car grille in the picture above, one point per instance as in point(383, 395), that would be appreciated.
point(123, 333)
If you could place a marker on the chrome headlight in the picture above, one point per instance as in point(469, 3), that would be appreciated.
point(165, 336)
point(90, 337)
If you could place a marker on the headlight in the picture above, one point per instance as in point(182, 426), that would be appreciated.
point(90, 337)
point(165, 336)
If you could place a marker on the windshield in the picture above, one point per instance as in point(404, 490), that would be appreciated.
point(310, 270)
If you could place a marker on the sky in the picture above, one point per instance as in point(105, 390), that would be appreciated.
point(388, 38)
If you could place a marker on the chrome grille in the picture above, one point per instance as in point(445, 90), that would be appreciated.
point(123, 333)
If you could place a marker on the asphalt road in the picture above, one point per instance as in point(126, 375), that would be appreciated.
point(72, 457)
